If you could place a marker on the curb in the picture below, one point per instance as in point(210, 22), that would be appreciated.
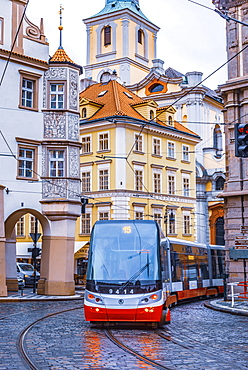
point(41, 299)
point(231, 311)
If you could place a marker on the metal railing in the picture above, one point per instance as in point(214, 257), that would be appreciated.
point(239, 295)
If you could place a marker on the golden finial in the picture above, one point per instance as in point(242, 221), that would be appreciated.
point(60, 26)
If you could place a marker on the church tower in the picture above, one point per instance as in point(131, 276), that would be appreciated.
point(120, 40)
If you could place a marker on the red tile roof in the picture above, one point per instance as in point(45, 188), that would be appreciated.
point(61, 56)
point(116, 100)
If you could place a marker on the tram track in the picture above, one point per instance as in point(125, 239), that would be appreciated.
point(21, 340)
point(131, 351)
point(180, 341)
point(168, 334)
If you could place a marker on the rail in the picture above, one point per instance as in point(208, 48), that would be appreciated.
point(239, 295)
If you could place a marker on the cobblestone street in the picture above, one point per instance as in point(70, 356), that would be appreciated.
point(198, 338)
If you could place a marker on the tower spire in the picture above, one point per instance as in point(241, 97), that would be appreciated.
point(60, 27)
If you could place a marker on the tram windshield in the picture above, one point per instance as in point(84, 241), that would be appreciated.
point(124, 254)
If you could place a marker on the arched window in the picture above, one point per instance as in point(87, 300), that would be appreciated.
point(105, 77)
point(219, 184)
point(220, 232)
point(217, 138)
point(140, 36)
point(185, 118)
point(151, 114)
point(170, 120)
point(107, 35)
point(84, 113)
point(156, 88)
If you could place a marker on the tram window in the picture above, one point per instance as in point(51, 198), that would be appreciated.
point(204, 270)
point(191, 273)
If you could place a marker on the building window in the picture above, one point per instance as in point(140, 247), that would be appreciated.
point(185, 153)
point(186, 224)
point(156, 148)
point(86, 177)
point(220, 231)
point(219, 184)
point(138, 143)
point(140, 36)
point(156, 88)
point(171, 184)
point(107, 35)
point(32, 224)
point(28, 90)
point(26, 162)
point(171, 150)
point(138, 180)
point(170, 121)
point(103, 141)
point(84, 113)
point(56, 163)
point(20, 227)
point(158, 218)
point(27, 93)
point(1, 30)
point(151, 114)
point(138, 215)
point(86, 144)
point(57, 96)
point(186, 187)
point(85, 223)
point(172, 221)
point(103, 215)
point(157, 182)
point(103, 180)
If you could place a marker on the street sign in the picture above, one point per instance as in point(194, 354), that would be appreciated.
point(238, 253)
point(35, 236)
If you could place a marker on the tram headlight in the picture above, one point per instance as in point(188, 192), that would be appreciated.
point(150, 298)
point(94, 298)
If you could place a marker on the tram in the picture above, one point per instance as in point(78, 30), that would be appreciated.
point(135, 276)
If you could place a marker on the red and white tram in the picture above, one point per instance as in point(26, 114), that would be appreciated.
point(133, 276)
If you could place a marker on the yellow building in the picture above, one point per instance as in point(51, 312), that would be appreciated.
point(136, 162)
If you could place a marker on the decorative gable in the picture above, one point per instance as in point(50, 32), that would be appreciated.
point(147, 109)
point(88, 107)
point(166, 115)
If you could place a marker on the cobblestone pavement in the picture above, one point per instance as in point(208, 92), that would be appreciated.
point(200, 339)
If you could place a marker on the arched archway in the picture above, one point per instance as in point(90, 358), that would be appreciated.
point(10, 243)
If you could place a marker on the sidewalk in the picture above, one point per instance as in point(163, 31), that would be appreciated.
point(240, 306)
point(26, 295)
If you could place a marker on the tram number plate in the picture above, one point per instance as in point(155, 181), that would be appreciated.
point(119, 291)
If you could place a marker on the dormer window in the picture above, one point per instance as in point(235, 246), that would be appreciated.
point(128, 95)
point(84, 113)
point(107, 35)
point(151, 114)
point(102, 93)
point(170, 121)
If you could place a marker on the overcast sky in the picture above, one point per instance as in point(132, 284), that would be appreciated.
point(191, 38)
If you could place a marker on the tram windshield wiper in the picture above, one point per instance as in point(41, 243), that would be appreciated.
point(135, 275)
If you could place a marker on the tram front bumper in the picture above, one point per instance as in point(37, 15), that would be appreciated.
point(144, 314)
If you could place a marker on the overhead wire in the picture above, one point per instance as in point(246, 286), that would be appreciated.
point(143, 126)
point(14, 42)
